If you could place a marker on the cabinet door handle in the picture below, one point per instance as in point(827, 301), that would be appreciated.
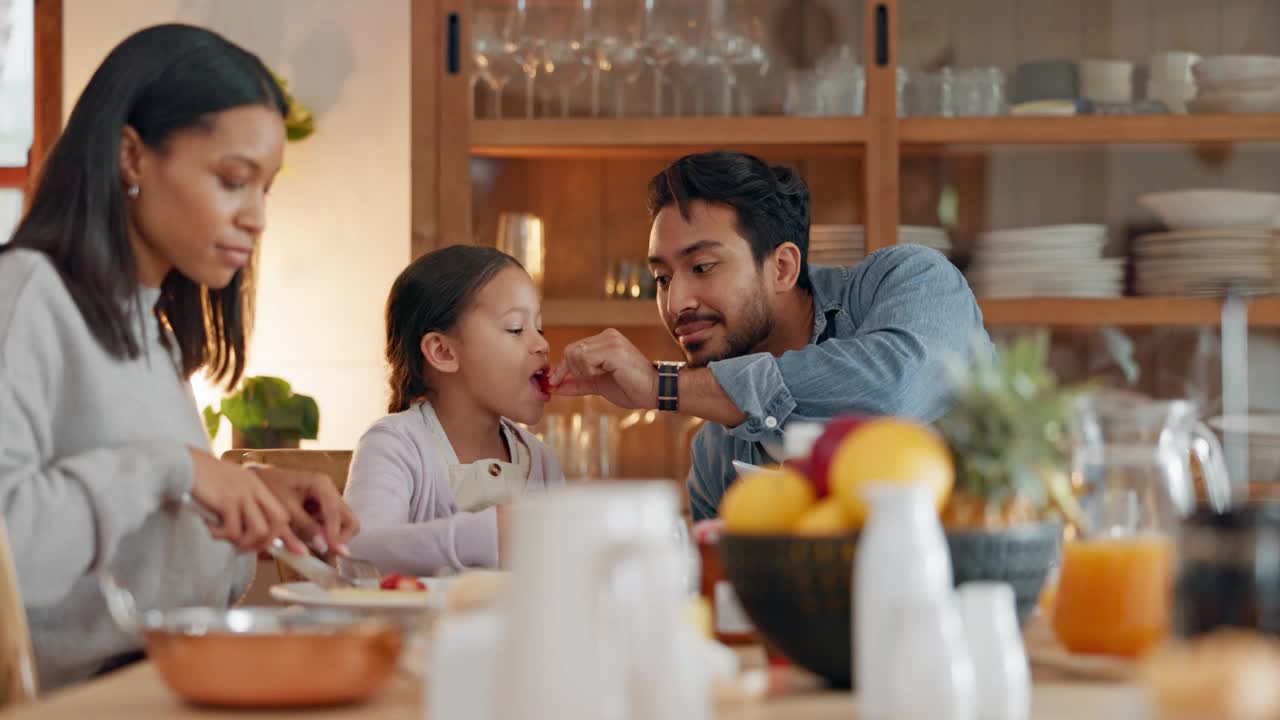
point(453, 51)
point(882, 35)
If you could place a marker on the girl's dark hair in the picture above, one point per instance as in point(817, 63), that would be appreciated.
point(159, 81)
point(771, 202)
point(431, 295)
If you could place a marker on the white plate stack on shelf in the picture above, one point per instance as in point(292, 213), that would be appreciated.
point(836, 245)
point(1050, 261)
point(930, 237)
point(1237, 84)
point(846, 245)
point(1219, 238)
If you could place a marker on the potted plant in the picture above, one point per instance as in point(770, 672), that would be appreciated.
point(266, 413)
point(1007, 427)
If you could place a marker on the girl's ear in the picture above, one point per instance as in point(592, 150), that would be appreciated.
point(439, 352)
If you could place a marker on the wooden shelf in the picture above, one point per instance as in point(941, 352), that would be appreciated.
point(657, 136)
point(1054, 312)
point(1128, 311)
point(1090, 129)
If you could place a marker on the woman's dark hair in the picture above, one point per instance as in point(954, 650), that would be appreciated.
point(431, 295)
point(159, 81)
point(771, 202)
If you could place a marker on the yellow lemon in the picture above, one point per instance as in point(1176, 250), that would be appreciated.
point(828, 517)
point(766, 502)
point(889, 450)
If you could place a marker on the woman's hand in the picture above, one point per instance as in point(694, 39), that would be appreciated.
point(250, 514)
point(316, 512)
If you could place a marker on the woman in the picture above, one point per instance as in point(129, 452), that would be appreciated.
point(129, 273)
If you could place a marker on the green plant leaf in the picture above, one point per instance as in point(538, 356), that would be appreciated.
point(269, 403)
point(310, 417)
point(244, 411)
point(212, 419)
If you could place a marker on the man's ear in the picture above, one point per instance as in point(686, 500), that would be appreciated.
point(784, 266)
point(439, 352)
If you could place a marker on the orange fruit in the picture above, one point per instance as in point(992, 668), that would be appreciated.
point(889, 450)
point(766, 502)
point(828, 517)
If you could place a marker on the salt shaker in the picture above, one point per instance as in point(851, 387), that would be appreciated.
point(931, 675)
point(1003, 678)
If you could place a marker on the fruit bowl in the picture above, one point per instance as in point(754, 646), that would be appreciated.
point(797, 590)
point(1020, 556)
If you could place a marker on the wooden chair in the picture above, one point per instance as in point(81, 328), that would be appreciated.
point(17, 660)
point(333, 463)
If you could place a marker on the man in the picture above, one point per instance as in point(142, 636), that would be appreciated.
point(768, 339)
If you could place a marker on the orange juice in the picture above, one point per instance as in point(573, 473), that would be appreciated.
point(1114, 595)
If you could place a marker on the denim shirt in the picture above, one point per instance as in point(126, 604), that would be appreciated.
point(881, 333)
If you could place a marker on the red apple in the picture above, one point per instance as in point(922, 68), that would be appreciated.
point(819, 465)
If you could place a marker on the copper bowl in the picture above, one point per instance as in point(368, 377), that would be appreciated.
point(267, 657)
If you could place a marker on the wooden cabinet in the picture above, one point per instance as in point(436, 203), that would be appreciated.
point(585, 176)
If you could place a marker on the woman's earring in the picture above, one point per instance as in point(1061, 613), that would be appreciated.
point(133, 191)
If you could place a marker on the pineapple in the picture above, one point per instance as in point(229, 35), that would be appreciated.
point(1007, 427)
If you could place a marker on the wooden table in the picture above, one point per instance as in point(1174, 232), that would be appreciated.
point(138, 693)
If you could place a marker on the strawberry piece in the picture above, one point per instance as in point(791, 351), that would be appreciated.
point(396, 581)
point(544, 382)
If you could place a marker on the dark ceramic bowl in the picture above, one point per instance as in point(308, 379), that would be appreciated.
point(798, 590)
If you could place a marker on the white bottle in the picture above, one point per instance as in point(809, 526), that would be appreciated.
point(1003, 678)
point(902, 559)
point(931, 675)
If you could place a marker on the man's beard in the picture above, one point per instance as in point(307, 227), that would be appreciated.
point(754, 327)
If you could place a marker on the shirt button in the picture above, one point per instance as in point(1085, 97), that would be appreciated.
point(771, 422)
point(494, 469)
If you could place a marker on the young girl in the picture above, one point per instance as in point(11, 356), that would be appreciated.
point(127, 275)
point(430, 482)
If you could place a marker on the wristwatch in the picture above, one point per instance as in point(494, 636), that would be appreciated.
point(668, 385)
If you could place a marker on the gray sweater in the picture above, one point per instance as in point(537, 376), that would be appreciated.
point(93, 452)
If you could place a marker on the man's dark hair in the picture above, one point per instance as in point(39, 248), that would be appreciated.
point(771, 202)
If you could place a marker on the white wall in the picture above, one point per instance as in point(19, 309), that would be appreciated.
point(338, 216)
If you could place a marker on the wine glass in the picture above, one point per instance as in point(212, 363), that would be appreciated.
point(662, 43)
point(496, 57)
point(690, 60)
point(555, 32)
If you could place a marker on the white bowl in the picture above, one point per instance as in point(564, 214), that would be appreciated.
point(1192, 209)
point(1236, 101)
point(1224, 70)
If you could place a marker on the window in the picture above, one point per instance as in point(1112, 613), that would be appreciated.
point(30, 96)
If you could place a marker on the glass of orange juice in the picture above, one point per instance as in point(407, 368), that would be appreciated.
point(1115, 588)
point(1115, 594)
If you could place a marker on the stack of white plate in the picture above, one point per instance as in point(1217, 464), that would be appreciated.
point(930, 237)
point(1237, 84)
point(836, 245)
point(1205, 262)
point(1050, 261)
point(1220, 239)
point(846, 245)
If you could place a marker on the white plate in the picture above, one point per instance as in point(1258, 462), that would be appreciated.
point(743, 468)
point(312, 595)
point(1214, 209)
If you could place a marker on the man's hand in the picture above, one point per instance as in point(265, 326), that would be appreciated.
point(608, 365)
point(316, 510)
